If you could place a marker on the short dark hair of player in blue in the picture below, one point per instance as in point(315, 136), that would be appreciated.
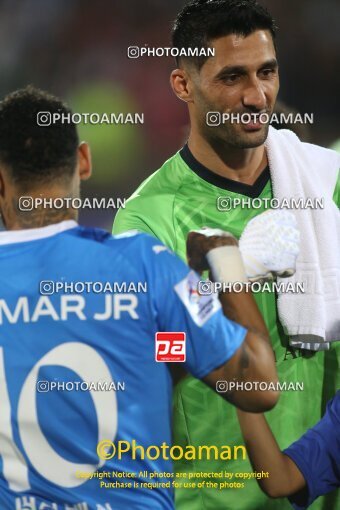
point(31, 152)
point(201, 21)
point(307, 469)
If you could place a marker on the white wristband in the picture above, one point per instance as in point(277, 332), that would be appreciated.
point(226, 264)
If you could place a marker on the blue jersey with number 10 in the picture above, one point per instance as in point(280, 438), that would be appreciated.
point(77, 366)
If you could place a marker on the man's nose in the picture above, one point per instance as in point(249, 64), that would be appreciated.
point(254, 95)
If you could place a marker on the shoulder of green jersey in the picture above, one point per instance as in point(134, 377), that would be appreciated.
point(167, 172)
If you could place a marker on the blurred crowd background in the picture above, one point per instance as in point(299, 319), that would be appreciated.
point(77, 49)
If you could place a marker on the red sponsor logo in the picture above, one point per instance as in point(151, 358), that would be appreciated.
point(170, 346)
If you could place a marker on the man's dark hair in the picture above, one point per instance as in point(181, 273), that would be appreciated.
point(201, 21)
point(31, 152)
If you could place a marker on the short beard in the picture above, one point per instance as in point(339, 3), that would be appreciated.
point(227, 136)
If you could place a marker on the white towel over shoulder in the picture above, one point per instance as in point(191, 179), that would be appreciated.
point(301, 170)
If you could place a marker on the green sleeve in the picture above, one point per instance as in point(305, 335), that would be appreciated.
point(336, 194)
point(150, 215)
point(125, 220)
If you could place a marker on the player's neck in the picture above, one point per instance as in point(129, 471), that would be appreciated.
point(19, 215)
point(38, 219)
point(242, 165)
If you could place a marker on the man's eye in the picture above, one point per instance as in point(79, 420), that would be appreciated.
point(231, 78)
point(268, 72)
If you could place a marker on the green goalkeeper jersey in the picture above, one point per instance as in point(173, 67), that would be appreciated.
point(181, 196)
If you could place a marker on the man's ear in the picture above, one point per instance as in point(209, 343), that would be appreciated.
point(8, 194)
point(84, 161)
point(181, 85)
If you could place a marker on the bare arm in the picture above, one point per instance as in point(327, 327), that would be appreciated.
point(254, 360)
point(264, 453)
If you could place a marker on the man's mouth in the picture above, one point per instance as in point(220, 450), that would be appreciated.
point(254, 121)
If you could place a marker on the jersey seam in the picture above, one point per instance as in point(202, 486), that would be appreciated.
point(189, 442)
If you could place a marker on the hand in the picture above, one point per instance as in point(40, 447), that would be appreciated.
point(199, 242)
point(270, 245)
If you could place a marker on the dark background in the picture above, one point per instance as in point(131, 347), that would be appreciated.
point(77, 49)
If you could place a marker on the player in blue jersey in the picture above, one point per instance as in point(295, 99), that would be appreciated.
point(307, 469)
point(59, 345)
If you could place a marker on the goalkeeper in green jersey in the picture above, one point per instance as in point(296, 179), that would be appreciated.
point(206, 184)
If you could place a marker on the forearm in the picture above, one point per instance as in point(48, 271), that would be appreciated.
point(253, 363)
point(254, 360)
point(265, 455)
point(241, 307)
point(257, 362)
